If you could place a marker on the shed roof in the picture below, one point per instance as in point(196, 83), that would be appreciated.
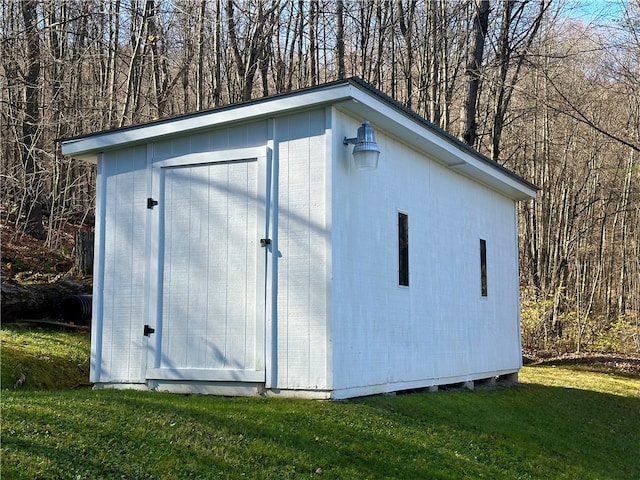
point(353, 96)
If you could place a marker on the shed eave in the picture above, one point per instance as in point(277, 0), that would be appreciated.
point(436, 144)
point(89, 157)
point(86, 147)
point(353, 96)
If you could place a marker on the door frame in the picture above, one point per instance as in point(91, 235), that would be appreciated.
point(155, 249)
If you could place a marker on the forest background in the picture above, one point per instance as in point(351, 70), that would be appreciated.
point(548, 88)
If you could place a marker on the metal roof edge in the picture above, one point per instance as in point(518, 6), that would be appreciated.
point(441, 132)
point(203, 113)
point(84, 147)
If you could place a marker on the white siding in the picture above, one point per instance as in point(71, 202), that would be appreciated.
point(210, 267)
point(440, 326)
point(299, 353)
point(301, 305)
point(252, 134)
point(121, 288)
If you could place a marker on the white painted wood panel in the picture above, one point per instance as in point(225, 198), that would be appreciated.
point(253, 134)
point(439, 326)
point(209, 292)
point(302, 239)
point(120, 250)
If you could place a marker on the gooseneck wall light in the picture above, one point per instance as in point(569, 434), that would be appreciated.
point(365, 151)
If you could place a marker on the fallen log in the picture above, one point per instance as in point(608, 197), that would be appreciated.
point(38, 300)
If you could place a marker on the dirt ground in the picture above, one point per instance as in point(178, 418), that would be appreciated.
point(36, 278)
point(606, 362)
point(27, 259)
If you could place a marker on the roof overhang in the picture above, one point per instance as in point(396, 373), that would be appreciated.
point(87, 147)
point(351, 96)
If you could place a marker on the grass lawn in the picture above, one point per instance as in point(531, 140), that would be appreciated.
point(48, 359)
point(559, 423)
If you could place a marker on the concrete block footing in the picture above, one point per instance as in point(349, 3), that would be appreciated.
point(508, 379)
point(481, 384)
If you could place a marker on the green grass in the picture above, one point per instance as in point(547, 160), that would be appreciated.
point(48, 359)
point(559, 423)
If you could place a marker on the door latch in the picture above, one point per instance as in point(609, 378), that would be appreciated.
point(148, 330)
point(265, 241)
point(151, 203)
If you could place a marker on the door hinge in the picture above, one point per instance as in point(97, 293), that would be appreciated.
point(265, 241)
point(151, 203)
point(148, 330)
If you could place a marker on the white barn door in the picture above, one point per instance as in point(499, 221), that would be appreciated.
point(211, 270)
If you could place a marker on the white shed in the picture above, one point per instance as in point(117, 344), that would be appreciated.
point(240, 251)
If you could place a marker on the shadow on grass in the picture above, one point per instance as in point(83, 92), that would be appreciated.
point(524, 432)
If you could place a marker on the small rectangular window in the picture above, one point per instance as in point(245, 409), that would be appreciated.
point(483, 267)
point(403, 249)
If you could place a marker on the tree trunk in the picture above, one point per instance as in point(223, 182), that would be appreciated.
point(30, 149)
point(132, 92)
point(217, 55)
point(200, 60)
point(312, 51)
point(83, 263)
point(505, 50)
point(406, 23)
point(468, 124)
point(340, 38)
point(112, 72)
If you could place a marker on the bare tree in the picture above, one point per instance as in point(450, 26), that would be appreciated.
point(133, 93)
point(31, 148)
point(406, 22)
point(340, 38)
point(112, 66)
point(468, 124)
point(545, 94)
point(513, 45)
point(248, 38)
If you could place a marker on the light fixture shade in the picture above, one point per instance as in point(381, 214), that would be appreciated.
point(366, 151)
